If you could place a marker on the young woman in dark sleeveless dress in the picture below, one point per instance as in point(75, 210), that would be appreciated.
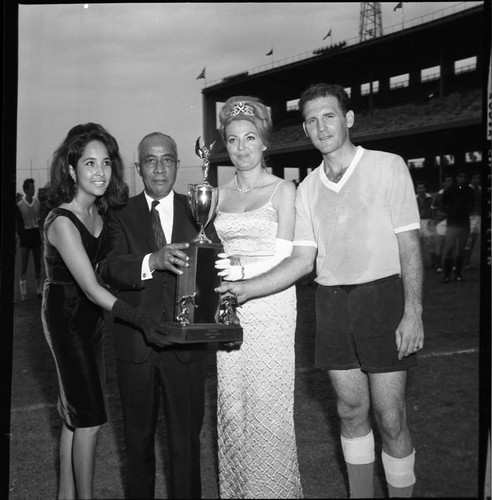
point(86, 179)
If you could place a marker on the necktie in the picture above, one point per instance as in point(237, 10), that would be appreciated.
point(159, 237)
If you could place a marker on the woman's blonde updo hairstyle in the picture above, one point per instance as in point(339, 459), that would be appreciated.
point(247, 108)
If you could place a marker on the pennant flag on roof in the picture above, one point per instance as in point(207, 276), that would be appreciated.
point(327, 35)
point(202, 74)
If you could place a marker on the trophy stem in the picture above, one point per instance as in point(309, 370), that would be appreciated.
point(201, 238)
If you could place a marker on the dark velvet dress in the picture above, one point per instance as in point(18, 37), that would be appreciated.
point(74, 329)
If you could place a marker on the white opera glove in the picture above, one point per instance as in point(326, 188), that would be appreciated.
point(283, 248)
point(228, 271)
point(234, 272)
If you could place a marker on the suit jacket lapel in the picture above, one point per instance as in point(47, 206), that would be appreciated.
point(143, 220)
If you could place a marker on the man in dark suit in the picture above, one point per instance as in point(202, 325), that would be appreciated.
point(144, 271)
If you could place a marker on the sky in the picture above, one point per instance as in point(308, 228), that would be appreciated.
point(133, 67)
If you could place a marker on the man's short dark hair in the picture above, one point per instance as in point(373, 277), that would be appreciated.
point(318, 90)
point(26, 183)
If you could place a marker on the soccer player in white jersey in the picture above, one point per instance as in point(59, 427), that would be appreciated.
point(357, 220)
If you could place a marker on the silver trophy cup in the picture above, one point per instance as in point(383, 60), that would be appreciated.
point(203, 199)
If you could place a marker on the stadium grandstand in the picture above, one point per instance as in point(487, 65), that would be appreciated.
point(417, 91)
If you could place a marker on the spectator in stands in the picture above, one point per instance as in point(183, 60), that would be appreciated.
point(475, 219)
point(427, 227)
point(357, 218)
point(30, 237)
point(439, 217)
point(457, 203)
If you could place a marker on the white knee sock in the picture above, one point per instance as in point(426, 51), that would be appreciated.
point(359, 457)
point(399, 474)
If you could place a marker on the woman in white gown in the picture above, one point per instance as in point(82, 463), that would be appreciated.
point(255, 402)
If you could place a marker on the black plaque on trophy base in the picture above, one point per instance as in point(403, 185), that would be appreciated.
point(198, 306)
point(203, 332)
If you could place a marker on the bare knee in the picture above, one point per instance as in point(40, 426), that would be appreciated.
point(354, 417)
point(353, 401)
point(352, 410)
point(392, 423)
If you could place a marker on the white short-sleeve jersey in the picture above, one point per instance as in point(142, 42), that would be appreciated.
point(30, 212)
point(353, 223)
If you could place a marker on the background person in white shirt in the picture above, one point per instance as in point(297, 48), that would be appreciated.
point(29, 237)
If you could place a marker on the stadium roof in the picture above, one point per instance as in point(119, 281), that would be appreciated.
point(414, 47)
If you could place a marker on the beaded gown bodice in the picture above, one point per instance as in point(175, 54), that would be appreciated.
point(248, 234)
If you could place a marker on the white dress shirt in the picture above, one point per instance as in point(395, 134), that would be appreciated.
point(166, 214)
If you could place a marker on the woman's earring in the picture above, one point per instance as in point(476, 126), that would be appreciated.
point(73, 175)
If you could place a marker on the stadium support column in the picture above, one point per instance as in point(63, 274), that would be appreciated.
point(414, 81)
point(276, 169)
point(447, 73)
point(210, 131)
point(278, 109)
point(371, 92)
point(383, 92)
point(355, 96)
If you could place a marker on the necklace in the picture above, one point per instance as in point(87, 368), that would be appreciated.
point(247, 190)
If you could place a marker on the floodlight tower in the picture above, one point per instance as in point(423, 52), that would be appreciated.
point(371, 21)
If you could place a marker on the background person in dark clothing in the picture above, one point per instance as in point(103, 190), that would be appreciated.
point(475, 219)
point(457, 202)
point(427, 226)
point(440, 222)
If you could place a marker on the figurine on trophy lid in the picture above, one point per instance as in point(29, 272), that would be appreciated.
point(203, 197)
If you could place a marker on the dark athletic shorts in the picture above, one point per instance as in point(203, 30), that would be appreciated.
point(356, 324)
point(30, 238)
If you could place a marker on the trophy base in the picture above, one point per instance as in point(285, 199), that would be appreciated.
point(202, 332)
point(199, 280)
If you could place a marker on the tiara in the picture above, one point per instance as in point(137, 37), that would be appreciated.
point(241, 108)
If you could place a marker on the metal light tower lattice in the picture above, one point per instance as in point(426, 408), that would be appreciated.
point(371, 21)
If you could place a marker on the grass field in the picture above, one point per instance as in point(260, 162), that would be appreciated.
point(443, 407)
